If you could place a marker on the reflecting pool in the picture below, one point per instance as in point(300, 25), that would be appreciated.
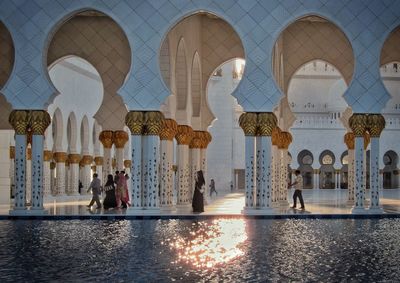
point(229, 250)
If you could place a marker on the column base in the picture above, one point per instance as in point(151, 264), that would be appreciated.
point(20, 212)
point(142, 211)
point(168, 208)
point(359, 210)
point(375, 210)
point(284, 203)
point(257, 211)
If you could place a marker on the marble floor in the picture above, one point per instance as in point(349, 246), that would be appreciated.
point(316, 201)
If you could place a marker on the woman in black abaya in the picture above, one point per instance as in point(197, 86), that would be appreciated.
point(110, 200)
point(198, 198)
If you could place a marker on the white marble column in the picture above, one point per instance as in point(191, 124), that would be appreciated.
point(274, 174)
point(166, 155)
point(151, 159)
point(12, 168)
point(374, 175)
point(28, 179)
point(376, 124)
point(350, 174)
point(205, 141)
point(53, 185)
point(120, 138)
point(250, 147)
point(98, 160)
point(107, 138)
point(358, 124)
point(37, 171)
point(265, 168)
point(47, 157)
point(19, 120)
point(183, 137)
point(195, 159)
point(20, 172)
point(136, 172)
point(284, 176)
point(153, 122)
point(60, 158)
point(86, 163)
point(283, 145)
point(167, 135)
point(259, 173)
point(74, 177)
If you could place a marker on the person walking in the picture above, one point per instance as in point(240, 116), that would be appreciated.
point(110, 200)
point(212, 188)
point(198, 197)
point(95, 186)
point(298, 185)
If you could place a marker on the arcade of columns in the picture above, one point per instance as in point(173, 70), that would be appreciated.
point(266, 172)
point(151, 165)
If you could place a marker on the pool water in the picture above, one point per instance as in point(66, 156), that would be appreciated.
point(228, 250)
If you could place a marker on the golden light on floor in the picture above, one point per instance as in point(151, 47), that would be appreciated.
point(212, 244)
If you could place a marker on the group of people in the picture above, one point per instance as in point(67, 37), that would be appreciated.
point(116, 191)
point(117, 195)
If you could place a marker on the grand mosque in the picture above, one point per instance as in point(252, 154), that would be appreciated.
point(246, 91)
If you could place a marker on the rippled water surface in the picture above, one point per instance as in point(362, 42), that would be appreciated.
point(228, 250)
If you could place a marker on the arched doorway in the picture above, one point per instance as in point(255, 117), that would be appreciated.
point(327, 171)
point(305, 159)
point(390, 171)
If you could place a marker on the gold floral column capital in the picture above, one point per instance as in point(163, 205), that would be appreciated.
point(206, 138)
point(86, 160)
point(135, 122)
point(39, 120)
point(376, 124)
point(276, 136)
point(60, 157)
point(285, 140)
point(266, 122)
point(106, 138)
point(197, 140)
point(120, 138)
point(358, 124)
point(74, 158)
point(184, 134)
point(349, 140)
point(12, 152)
point(248, 122)
point(169, 129)
point(47, 155)
point(98, 160)
point(19, 120)
point(153, 123)
point(52, 165)
point(127, 163)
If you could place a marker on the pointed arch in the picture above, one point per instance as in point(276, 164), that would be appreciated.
point(181, 75)
point(57, 128)
point(98, 39)
point(196, 85)
point(165, 64)
point(85, 135)
point(72, 133)
point(390, 50)
point(309, 38)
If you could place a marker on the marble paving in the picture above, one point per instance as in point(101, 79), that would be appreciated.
point(317, 202)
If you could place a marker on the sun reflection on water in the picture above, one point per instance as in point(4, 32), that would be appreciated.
point(211, 244)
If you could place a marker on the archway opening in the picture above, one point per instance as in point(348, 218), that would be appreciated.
point(226, 160)
point(7, 54)
point(193, 49)
point(98, 39)
point(390, 170)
